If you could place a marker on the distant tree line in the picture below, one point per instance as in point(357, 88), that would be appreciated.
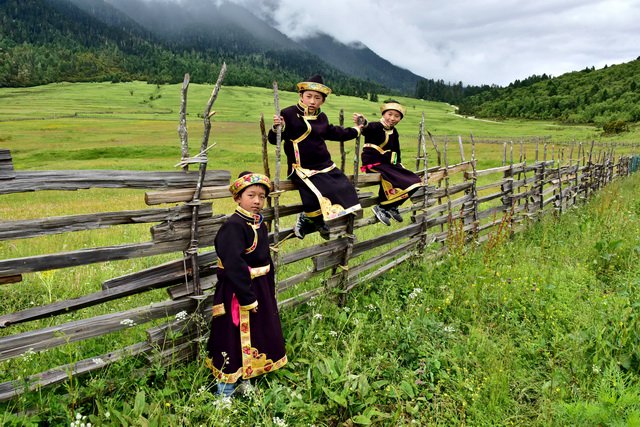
point(609, 96)
point(40, 44)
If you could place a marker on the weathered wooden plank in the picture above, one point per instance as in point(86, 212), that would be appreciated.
point(222, 191)
point(170, 272)
point(54, 225)
point(181, 230)
point(132, 287)
point(324, 261)
point(364, 265)
point(6, 165)
point(83, 179)
point(60, 374)
point(289, 282)
point(32, 264)
point(186, 289)
point(4, 280)
point(379, 271)
point(37, 340)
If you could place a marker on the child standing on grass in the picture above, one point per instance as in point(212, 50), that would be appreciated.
point(325, 191)
point(246, 337)
point(381, 154)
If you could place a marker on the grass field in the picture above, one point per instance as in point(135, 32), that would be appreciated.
point(480, 338)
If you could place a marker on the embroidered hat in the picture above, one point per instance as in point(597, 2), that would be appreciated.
point(246, 179)
point(314, 83)
point(393, 105)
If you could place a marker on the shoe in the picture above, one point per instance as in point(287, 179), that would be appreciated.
point(303, 226)
point(395, 214)
point(381, 214)
point(324, 231)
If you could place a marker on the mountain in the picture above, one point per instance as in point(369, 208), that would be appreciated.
point(95, 40)
point(360, 61)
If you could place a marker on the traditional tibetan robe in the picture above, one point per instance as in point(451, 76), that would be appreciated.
point(243, 344)
point(323, 188)
point(381, 153)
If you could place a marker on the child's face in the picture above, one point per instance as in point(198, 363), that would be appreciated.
point(252, 198)
point(392, 117)
point(312, 99)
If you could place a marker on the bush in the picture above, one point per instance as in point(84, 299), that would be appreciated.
point(614, 127)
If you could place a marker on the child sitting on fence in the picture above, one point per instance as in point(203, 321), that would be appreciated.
point(246, 337)
point(325, 191)
point(381, 154)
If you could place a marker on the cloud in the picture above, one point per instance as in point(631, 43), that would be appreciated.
point(476, 42)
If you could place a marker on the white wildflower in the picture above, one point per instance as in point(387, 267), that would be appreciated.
point(28, 355)
point(127, 322)
point(595, 369)
point(181, 315)
point(317, 316)
point(279, 422)
point(311, 303)
point(416, 293)
point(449, 329)
point(107, 415)
point(347, 309)
point(371, 307)
point(333, 333)
point(222, 403)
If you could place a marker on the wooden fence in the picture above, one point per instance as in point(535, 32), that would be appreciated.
point(456, 198)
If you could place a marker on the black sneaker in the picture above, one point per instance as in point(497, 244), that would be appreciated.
point(395, 214)
point(324, 232)
point(381, 214)
point(303, 226)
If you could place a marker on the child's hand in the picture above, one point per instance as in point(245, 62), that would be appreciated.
point(358, 120)
point(277, 120)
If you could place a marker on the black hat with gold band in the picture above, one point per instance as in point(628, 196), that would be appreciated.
point(393, 105)
point(314, 83)
point(246, 179)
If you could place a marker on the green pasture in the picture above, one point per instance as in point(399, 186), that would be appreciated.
point(134, 126)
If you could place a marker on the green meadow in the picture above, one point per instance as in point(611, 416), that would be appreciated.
point(540, 329)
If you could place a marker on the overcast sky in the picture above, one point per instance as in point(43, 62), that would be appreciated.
point(473, 41)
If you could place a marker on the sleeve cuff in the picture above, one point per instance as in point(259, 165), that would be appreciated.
point(357, 130)
point(250, 306)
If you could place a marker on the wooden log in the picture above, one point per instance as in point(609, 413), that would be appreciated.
point(32, 264)
point(328, 260)
point(6, 165)
point(132, 287)
point(4, 280)
point(181, 230)
point(54, 225)
point(46, 338)
point(84, 179)
point(356, 270)
point(62, 373)
point(170, 272)
point(289, 282)
point(186, 289)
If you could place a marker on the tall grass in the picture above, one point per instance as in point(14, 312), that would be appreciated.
point(537, 330)
point(542, 331)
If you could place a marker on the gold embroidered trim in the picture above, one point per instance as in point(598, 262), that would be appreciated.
point(259, 271)
point(218, 310)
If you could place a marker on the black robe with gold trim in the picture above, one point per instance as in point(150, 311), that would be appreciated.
point(381, 153)
point(243, 344)
point(323, 188)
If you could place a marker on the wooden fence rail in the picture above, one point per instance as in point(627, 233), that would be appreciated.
point(455, 198)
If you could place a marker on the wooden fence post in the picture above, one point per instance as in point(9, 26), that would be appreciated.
point(275, 194)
